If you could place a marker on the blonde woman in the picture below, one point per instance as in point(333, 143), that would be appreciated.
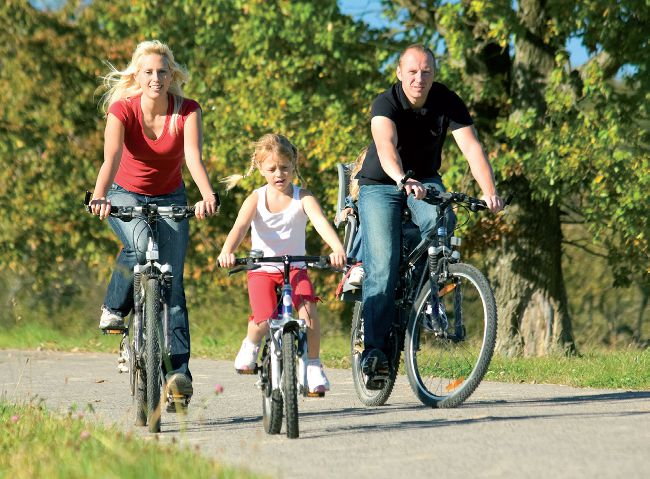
point(151, 130)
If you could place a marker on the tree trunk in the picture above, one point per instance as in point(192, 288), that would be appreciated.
point(534, 316)
point(527, 277)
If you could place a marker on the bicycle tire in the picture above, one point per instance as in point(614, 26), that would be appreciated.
point(367, 396)
point(290, 384)
point(272, 403)
point(152, 353)
point(445, 369)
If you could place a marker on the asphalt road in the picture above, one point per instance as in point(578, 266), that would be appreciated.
point(503, 430)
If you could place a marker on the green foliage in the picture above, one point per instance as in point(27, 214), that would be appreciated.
point(303, 69)
point(256, 67)
point(586, 149)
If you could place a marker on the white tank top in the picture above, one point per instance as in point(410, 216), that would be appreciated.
point(277, 234)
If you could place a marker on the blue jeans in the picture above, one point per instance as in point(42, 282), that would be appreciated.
point(380, 210)
point(172, 238)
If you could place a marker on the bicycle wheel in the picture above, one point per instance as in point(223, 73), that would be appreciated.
point(272, 403)
point(138, 389)
point(289, 383)
point(368, 397)
point(447, 356)
point(152, 336)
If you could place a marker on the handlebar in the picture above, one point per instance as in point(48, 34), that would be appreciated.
point(250, 263)
point(127, 213)
point(435, 197)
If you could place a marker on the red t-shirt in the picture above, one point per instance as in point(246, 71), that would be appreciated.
point(151, 167)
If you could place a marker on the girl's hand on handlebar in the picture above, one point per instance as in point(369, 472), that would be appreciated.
point(205, 208)
point(338, 259)
point(494, 202)
point(100, 207)
point(226, 260)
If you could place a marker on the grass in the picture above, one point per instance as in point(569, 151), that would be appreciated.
point(37, 443)
point(623, 368)
point(597, 368)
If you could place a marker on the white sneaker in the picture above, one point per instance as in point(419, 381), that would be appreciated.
point(110, 320)
point(316, 379)
point(356, 276)
point(246, 359)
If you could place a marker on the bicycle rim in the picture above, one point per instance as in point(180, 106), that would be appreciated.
point(289, 383)
point(446, 363)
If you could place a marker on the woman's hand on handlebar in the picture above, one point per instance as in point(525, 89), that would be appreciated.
point(338, 259)
point(100, 207)
point(226, 260)
point(494, 202)
point(205, 207)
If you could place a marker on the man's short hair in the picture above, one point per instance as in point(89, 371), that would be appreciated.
point(420, 48)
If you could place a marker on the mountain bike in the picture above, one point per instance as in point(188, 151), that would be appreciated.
point(146, 342)
point(445, 321)
point(283, 369)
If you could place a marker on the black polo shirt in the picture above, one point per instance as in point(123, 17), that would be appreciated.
point(420, 134)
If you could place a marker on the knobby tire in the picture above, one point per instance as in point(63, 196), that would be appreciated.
point(289, 383)
point(153, 336)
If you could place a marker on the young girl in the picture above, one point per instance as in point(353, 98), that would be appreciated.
point(356, 250)
point(278, 213)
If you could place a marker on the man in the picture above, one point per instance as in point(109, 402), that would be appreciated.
point(409, 124)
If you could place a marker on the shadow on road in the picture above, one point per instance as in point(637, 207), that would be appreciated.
point(566, 400)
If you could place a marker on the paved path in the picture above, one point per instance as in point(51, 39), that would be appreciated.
point(503, 430)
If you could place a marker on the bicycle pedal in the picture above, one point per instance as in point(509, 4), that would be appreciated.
point(315, 395)
point(247, 372)
point(309, 394)
point(177, 402)
point(375, 383)
point(114, 331)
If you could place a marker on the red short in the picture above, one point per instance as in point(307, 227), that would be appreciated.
point(262, 297)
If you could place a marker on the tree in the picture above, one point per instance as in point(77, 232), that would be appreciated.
point(570, 143)
point(294, 67)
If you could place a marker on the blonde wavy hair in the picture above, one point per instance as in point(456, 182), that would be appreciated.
point(121, 84)
point(269, 144)
point(353, 186)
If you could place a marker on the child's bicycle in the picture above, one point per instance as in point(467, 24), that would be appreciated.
point(283, 370)
point(146, 342)
point(445, 321)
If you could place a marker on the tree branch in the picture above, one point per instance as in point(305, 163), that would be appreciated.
point(583, 248)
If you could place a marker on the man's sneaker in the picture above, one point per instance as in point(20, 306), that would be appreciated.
point(356, 276)
point(246, 360)
point(375, 368)
point(316, 380)
point(110, 320)
point(179, 392)
point(180, 385)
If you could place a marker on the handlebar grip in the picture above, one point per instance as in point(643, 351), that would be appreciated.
point(87, 199)
point(236, 270)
